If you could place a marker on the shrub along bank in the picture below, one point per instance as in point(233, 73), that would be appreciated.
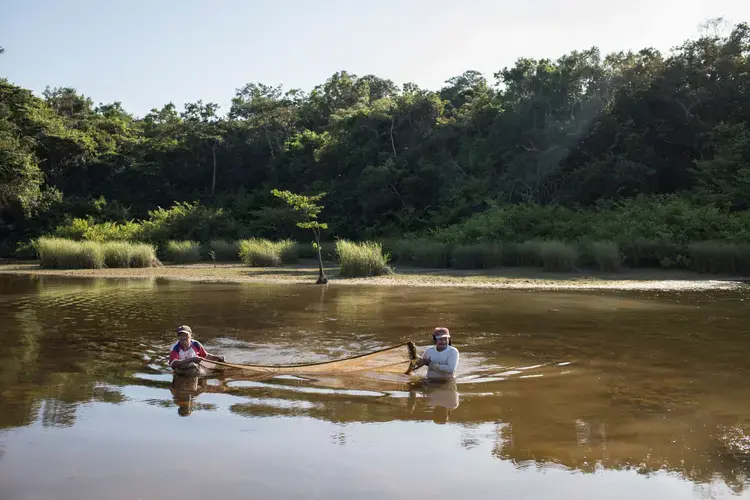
point(375, 258)
point(637, 233)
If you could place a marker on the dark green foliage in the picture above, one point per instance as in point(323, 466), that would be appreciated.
point(646, 150)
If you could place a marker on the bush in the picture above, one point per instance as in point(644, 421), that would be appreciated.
point(182, 221)
point(361, 259)
point(256, 252)
point(59, 253)
point(183, 252)
point(477, 256)
point(224, 251)
point(29, 250)
point(6, 249)
point(189, 221)
point(657, 218)
point(88, 230)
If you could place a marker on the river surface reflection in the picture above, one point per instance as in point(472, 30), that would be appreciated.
point(559, 394)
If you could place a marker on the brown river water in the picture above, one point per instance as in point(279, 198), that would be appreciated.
point(569, 395)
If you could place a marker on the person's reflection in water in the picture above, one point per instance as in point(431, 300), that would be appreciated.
point(184, 388)
point(441, 395)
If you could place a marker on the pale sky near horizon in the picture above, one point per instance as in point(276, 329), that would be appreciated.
point(146, 53)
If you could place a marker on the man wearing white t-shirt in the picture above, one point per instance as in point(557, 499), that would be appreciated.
point(441, 359)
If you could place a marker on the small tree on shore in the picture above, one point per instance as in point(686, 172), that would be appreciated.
point(308, 209)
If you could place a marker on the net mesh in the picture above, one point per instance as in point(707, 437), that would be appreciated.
point(396, 359)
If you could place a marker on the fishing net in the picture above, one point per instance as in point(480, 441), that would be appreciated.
point(396, 359)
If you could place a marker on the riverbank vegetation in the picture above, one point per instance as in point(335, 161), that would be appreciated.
point(372, 258)
point(625, 160)
point(361, 259)
point(257, 252)
point(57, 253)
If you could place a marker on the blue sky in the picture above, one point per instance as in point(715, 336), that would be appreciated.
point(148, 53)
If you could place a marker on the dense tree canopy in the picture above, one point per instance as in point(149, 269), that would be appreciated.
point(572, 131)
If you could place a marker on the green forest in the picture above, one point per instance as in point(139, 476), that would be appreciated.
point(625, 147)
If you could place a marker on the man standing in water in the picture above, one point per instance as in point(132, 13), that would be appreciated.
point(186, 354)
point(442, 358)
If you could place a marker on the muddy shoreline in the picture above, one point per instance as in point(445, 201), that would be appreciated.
point(503, 278)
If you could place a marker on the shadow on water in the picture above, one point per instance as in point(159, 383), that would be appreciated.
point(641, 381)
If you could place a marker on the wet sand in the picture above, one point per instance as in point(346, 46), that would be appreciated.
point(503, 278)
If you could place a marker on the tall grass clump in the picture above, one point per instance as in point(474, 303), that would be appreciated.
point(400, 250)
point(420, 252)
point(60, 253)
point(116, 254)
point(361, 259)
point(123, 254)
point(605, 254)
point(558, 256)
point(426, 253)
point(142, 255)
point(477, 256)
point(653, 253)
point(256, 252)
point(223, 251)
point(183, 252)
point(288, 251)
point(529, 253)
point(719, 257)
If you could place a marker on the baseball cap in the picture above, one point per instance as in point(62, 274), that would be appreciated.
point(184, 329)
point(441, 332)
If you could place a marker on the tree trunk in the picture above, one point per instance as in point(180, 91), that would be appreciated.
point(322, 279)
point(213, 182)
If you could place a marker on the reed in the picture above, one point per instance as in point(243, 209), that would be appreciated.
point(224, 251)
point(719, 257)
point(477, 256)
point(557, 256)
point(419, 252)
point(61, 253)
point(183, 252)
point(606, 255)
point(256, 252)
point(361, 259)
